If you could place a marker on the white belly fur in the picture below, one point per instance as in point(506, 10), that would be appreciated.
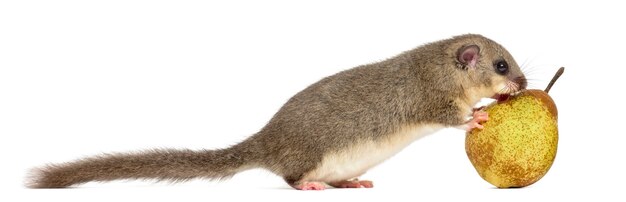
point(356, 160)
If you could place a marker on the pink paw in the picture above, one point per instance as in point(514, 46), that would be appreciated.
point(310, 186)
point(353, 184)
point(477, 117)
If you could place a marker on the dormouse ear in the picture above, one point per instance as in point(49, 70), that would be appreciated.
point(468, 56)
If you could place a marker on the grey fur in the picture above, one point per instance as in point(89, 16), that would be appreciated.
point(369, 102)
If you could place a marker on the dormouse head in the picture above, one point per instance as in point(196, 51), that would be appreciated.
point(491, 70)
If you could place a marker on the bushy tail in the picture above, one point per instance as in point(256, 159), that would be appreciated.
point(169, 165)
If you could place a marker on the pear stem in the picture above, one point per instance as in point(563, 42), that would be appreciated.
point(556, 76)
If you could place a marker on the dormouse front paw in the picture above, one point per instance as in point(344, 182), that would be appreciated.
point(477, 117)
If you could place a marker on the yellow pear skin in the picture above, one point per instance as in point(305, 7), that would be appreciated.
point(518, 143)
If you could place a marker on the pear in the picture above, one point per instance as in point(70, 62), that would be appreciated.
point(518, 143)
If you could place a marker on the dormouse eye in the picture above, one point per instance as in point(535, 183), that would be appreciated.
point(501, 67)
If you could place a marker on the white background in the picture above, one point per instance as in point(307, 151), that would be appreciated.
point(79, 78)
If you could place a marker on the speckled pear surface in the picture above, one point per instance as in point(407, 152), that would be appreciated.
point(519, 141)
